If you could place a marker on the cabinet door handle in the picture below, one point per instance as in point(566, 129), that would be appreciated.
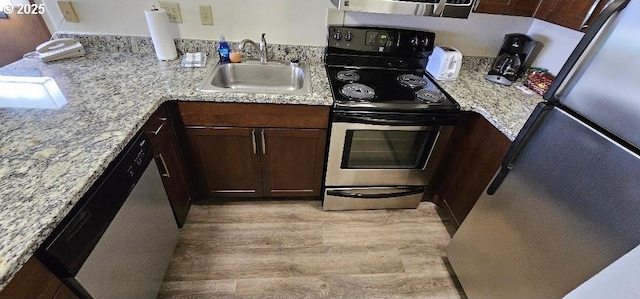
point(589, 14)
point(164, 166)
point(253, 140)
point(164, 120)
point(264, 143)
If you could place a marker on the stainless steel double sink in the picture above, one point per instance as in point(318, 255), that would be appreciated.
point(258, 77)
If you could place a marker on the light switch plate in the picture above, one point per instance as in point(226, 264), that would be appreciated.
point(68, 12)
point(173, 10)
point(206, 18)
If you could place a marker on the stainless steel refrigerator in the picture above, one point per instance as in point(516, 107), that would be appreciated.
point(566, 202)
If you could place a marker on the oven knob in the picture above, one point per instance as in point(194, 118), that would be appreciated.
point(415, 41)
point(337, 35)
point(425, 42)
point(348, 36)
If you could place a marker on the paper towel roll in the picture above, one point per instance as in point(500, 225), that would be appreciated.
point(158, 22)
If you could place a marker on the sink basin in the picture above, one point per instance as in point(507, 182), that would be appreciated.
point(254, 76)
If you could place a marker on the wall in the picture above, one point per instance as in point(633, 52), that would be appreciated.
point(300, 22)
point(558, 43)
point(303, 22)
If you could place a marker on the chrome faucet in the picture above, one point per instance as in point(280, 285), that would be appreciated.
point(262, 49)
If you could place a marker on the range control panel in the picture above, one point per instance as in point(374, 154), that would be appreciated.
point(403, 42)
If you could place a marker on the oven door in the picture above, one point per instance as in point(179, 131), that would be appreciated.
point(365, 154)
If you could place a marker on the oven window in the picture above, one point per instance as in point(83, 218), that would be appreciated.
point(379, 149)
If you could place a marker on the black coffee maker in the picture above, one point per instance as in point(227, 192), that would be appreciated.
point(509, 65)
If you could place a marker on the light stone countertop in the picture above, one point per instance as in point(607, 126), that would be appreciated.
point(49, 158)
point(506, 107)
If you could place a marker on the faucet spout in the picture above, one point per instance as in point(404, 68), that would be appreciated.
point(261, 49)
point(244, 42)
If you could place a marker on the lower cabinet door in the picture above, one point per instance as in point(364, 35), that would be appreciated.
point(226, 160)
point(475, 154)
point(174, 176)
point(292, 161)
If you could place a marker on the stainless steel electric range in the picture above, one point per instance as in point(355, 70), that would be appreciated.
point(390, 121)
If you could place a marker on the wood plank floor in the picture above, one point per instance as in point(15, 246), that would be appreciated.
point(292, 249)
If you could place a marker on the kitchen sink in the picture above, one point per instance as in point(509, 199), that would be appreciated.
point(257, 77)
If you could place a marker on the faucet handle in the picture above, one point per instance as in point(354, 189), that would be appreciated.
point(263, 42)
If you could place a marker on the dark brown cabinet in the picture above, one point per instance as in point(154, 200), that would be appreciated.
point(574, 14)
point(524, 8)
point(168, 156)
point(256, 162)
point(292, 161)
point(474, 154)
point(226, 161)
point(35, 281)
point(256, 150)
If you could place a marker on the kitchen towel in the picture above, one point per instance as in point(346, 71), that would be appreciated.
point(158, 22)
point(198, 59)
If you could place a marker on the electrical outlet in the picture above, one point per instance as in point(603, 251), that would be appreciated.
point(206, 18)
point(173, 10)
point(68, 12)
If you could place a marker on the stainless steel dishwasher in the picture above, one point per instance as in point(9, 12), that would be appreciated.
point(118, 240)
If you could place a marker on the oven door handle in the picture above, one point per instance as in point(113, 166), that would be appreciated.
point(401, 120)
point(377, 121)
point(408, 191)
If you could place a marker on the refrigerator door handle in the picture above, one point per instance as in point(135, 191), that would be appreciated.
point(578, 56)
point(518, 144)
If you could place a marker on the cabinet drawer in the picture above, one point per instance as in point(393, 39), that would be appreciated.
point(157, 125)
point(254, 115)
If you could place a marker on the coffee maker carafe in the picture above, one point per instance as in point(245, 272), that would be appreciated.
point(507, 67)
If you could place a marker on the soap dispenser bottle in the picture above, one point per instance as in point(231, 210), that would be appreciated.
point(223, 50)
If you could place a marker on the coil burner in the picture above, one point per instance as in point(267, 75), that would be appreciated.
point(348, 76)
point(429, 96)
point(358, 92)
point(411, 81)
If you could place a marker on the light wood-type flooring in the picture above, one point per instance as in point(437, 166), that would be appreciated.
point(292, 249)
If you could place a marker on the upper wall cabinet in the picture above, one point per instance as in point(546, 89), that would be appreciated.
point(574, 14)
point(507, 7)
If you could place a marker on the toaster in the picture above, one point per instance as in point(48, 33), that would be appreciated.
point(444, 63)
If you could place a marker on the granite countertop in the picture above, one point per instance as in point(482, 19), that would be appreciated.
point(506, 107)
point(49, 158)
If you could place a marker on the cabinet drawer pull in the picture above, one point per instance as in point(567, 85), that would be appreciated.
point(264, 143)
point(253, 141)
point(164, 166)
point(164, 120)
